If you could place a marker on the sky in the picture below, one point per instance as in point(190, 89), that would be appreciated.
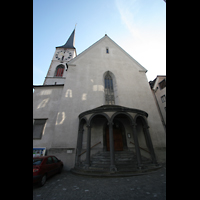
point(137, 26)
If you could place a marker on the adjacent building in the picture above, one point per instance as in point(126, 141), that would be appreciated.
point(158, 87)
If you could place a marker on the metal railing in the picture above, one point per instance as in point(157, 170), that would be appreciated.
point(141, 148)
point(90, 148)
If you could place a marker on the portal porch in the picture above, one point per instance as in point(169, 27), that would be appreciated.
point(113, 129)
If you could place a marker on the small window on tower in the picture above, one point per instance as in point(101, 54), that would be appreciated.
point(59, 70)
point(107, 50)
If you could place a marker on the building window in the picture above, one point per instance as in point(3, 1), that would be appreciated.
point(107, 50)
point(109, 91)
point(163, 98)
point(38, 127)
point(162, 84)
point(59, 71)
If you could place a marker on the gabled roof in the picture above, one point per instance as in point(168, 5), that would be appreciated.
point(106, 36)
point(70, 42)
point(154, 83)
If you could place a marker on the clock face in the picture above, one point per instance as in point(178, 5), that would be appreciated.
point(64, 55)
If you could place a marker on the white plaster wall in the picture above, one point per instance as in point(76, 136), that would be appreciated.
point(84, 90)
point(45, 105)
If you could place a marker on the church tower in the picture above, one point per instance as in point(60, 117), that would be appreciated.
point(58, 67)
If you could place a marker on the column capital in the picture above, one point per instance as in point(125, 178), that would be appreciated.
point(80, 129)
point(113, 169)
point(133, 124)
point(110, 123)
point(146, 127)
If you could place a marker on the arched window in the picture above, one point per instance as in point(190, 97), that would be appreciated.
point(109, 91)
point(59, 70)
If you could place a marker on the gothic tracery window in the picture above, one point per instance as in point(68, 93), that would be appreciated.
point(109, 91)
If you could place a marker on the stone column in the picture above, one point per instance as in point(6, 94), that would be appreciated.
point(112, 152)
point(79, 145)
point(137, 148)
point(87, 162)
point(150, 145)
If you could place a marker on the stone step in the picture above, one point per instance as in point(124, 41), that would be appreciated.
point(116, 163)
point(124, 161)
point(116, 158)
point(116, 153)
point(121, 158)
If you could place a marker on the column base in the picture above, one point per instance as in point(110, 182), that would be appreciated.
point(140, 166)
point(86, 166)
point(113, 169)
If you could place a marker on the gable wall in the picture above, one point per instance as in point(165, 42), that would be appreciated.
point(84, 89)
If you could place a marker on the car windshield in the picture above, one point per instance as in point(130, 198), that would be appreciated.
point(37, 161)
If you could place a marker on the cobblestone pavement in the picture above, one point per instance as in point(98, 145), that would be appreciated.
point(75, 187)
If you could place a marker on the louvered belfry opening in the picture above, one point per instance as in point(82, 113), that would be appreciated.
point(59, 70)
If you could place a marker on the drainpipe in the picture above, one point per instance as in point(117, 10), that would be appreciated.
point(162, 119)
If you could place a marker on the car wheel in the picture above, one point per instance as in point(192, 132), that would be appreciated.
point(43, 180)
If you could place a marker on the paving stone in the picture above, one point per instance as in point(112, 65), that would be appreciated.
point(68, 186)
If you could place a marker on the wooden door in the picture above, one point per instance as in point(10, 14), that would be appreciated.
point(118, 141)
point(107, 139)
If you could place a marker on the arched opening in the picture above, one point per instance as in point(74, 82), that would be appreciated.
point(81, 142)
point(59, 70)
point(98, 123)
point(119, 136)
point(121, 126)
point(142, 137)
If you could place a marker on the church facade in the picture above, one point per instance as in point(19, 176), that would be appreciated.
point(97, 101)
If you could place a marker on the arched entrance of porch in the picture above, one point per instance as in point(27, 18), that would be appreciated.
point(127, 119)
point(82, 132)
point(143, 135)
point(119, 136)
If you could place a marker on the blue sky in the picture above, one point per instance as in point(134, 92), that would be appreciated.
point(138, 26)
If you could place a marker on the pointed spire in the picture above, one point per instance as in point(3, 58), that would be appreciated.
point(70, 42)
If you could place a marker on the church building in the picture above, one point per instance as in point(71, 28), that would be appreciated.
point(97, 103)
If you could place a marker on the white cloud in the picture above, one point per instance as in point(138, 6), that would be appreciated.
point(128, 10)
point(146, 44)
point(38, 71)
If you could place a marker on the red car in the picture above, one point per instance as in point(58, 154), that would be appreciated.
point(45, 166)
